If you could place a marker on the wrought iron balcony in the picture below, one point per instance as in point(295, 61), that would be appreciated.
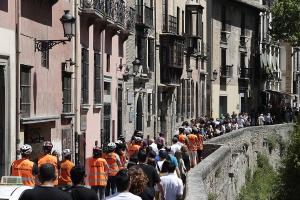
point(171, 25)
point(245, 73)
point(113, 11)
point(93, 7)
point(226, 71)
point(144, 15)
point(171, 77)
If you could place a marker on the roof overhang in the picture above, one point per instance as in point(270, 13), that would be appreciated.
point(253, 4)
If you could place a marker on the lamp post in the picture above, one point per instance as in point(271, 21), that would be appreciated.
point(68, 23)
point(189, 72)
point(214, 75)
point(212, 78)
point(136, 65)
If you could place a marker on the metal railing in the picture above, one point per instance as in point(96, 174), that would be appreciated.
point(114, 10)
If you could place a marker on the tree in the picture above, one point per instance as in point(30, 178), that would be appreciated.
point(288, 183)
point(285, 23)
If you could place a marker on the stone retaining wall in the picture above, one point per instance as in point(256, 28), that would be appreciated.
point(222, 173)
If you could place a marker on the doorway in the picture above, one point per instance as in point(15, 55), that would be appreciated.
point(2, 121)
point(139, 114)
point(223, 105)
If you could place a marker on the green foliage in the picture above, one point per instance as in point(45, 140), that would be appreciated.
point(286, 21)
point(248, 175)
point(272, 142)
point(288, 184)
point(212, 196)
point(260, 186)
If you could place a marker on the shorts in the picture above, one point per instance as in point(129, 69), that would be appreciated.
point(193, 156)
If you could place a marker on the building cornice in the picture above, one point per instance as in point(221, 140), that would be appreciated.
point(254, 4)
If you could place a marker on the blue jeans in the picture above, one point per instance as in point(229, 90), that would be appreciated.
point(100, 190)
point(111, 187)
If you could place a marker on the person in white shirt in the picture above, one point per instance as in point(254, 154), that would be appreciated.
point(153, 145)
point(172, 185)
point(123, 183)
point(261, 120)
point(176, 146)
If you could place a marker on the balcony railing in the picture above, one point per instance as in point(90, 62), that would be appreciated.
point(226, 71)
point(171, 78)
point(171, 26)
point(144, 15)
point(114, 10)
point(245, 73)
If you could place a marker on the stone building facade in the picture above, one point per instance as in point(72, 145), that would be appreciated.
point(180, 62)
point(233, 43)
point(276, 72)
point(139, 80)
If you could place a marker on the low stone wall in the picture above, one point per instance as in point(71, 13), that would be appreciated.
point(223, 173)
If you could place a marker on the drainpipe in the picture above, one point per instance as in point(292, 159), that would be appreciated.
point(76, 66)
point(155, 74)
point(18, 14)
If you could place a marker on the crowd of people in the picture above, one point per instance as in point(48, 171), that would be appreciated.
point(141, 168)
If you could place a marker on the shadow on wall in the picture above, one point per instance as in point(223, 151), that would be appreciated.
point(38, 11)
point(4, 5)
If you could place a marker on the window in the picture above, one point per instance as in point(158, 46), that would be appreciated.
point(183, 98)
point(223, 18)
point(106, 123)
point(182, 21)
point(223, 57)
point(188, 99)
point(242, 60)
point(178, 48)
point(67, 92)
point(165, 14)
point(107, 62)
point(25, 91)
point(192, 99)
point(45, 55)
point(151, 52)
point(85, 76)
point(149, 102)
point(222, 84)
point(97, 79)
point(106, 88)
point(243, 21)
point(178, 19)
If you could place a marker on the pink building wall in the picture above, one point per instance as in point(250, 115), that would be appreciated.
point(89, 37)
point(42, 22)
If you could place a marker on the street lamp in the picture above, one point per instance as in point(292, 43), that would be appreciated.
point(68, 22)
point(215, 75)
point(189, 72)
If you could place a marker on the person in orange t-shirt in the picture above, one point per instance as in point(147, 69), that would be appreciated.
point(24, 167)
point(192, 145)
point(135, 146)
point(65, 169)
point(48, 158)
